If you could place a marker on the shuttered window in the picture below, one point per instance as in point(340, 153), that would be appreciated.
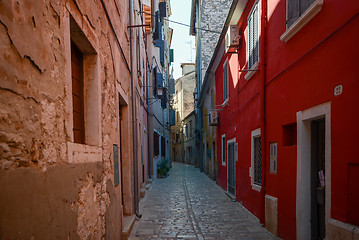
point(225, 80)
point(295, 8)
point(253, 36)
point(77, 94)
point(156, 144)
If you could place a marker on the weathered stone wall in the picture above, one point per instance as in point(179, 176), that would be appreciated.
point(213, 15)
point(52, 188)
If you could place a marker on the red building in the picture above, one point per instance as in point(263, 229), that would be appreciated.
point(286, 84)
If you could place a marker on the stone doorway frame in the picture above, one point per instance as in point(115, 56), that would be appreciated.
point(303, 201)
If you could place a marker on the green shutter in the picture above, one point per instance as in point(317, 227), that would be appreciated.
point(171, 56)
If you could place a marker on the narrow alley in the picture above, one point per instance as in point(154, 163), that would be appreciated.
point(188, 205)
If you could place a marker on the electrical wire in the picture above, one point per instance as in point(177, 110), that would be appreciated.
point(179, 23)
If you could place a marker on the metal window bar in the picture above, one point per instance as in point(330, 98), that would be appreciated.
point(257, 161)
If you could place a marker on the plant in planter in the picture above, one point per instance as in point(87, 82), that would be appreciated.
point(162, 169)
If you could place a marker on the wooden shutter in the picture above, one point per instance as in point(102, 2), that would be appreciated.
point(77, 94)
point(292, 11)
point(250, 41)
point(225, 80)
point(255, 34)
point(253, 37)
point(304, 5)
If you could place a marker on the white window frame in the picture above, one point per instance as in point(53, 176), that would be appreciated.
point(223, 149)
point(256, 64)
point(225, 66)
point(303, 19)
point(255, 133)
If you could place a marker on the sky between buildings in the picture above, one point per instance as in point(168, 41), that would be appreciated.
point(182, 43)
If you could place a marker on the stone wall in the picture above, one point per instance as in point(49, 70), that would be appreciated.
point(52, 188)
point(213, 16)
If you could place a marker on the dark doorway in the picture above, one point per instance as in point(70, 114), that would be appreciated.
point(318, 179)
point(231, 169)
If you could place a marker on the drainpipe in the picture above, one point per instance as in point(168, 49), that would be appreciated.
point(263, 73)
point(134, 124)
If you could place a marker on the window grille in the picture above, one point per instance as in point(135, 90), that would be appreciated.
point(257, 161)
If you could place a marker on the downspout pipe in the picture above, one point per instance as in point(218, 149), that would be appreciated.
point(134, 124)
point(263, 73)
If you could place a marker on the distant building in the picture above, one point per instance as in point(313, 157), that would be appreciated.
point(207, 20)
point(183, 105)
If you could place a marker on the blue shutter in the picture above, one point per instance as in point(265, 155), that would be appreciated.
point(159, 80)
point(162, 7)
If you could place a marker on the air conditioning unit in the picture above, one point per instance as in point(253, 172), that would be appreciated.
point(233, 38)
point(213, 118)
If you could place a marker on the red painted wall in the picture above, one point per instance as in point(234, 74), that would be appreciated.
point(238, 119)
point(300, 74)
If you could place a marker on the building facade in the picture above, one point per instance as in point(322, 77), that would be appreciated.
point(206, 23)
point(183, 106)
point(284, 115)
point(76, 124)
point(158, 45)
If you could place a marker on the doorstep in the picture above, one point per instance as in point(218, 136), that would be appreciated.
point(231, 196)
point(127, 224)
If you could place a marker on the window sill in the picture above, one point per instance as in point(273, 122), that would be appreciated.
point(252, 71)
point(82, 153)
point(310, 13)
point(256, 187)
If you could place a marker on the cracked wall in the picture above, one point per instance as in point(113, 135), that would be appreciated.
point(50, 189)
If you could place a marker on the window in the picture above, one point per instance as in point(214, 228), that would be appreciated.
point(273, 157)
point(299, 13)
point(212, 99)
point(295, 9)
point(223, 150)
point(256, 160)
point(77, 94)
point(225, 80)
point(190, 128)
point(156, 144)
point(163, 147)
point(253, 36)
point(85, 84)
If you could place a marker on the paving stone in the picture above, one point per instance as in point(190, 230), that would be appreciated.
point(188, 205)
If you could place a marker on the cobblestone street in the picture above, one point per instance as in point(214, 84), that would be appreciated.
point(188, 205)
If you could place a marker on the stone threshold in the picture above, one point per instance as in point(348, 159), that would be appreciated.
point(127, 225)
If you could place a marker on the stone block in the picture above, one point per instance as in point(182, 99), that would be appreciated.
point(339, 230)
point(271, 214)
